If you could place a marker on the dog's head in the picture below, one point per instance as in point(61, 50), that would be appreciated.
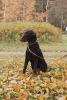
point(29, 36)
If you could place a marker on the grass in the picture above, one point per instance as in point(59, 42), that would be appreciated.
point(56, 46)
point(19, 46)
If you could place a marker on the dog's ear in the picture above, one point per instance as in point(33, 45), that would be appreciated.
point(34, 37)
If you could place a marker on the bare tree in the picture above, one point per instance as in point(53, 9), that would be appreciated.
point(57, 12)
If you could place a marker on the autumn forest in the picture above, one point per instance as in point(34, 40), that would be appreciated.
point(53, 11)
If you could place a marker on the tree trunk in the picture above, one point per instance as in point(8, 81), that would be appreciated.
point(42, 10)
point(46, 10)
point(23, 10)
point(61, 21)
point(4, 13)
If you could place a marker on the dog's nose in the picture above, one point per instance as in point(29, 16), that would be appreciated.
point(21, 39)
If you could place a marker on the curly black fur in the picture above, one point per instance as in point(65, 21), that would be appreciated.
point(36, 62)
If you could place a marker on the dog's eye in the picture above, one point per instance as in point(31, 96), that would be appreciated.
point(26, 34)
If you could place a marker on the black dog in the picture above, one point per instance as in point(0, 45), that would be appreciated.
point(33, 53)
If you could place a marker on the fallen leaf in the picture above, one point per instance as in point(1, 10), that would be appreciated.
point(8, 96)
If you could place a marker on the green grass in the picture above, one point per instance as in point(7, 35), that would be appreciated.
point(56, 46)
point(12, 46)
point(19, 46)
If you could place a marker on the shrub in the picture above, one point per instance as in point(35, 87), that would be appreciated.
point(13, 31)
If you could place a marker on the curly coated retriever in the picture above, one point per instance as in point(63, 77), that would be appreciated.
point(33, 53)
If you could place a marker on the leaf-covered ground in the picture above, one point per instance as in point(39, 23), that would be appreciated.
point(44, 86)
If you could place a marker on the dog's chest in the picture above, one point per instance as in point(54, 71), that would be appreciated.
point(31, 53)
point(31, 56)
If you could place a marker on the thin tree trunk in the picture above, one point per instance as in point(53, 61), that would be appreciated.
point(61, 21)
point(23, 10)
point(46, 10)
point(5, 10)
point(42, 10)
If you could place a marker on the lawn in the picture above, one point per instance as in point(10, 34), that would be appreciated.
point(19, 46)
point(44, 86)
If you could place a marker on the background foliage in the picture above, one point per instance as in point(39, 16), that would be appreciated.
point(13, 31)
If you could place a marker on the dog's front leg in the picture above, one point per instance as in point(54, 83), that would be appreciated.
point(35, 65)
point(25, 65)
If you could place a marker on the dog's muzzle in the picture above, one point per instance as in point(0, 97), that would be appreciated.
point(21, 39)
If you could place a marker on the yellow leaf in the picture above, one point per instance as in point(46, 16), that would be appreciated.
point(52, 92)
point(16, 87)
point(31, 88)
point(48, 80)
point(31, 72)
point(32, 83)
point(65, 98)
point(37, 87)
point(25, 95)
point(58, 83)
point(64, 78)
point(43, 85)
point(54, 86)
point(20, 78)
point(17, 94)
point(1, 76)
point(0, 85)
point(46, 95)
point(35, 96)
point(21, 98)
point(8, 96)
point(41, 98)
point(10, 86)
point(4, 90)
point(5, 79)
point(65, 87)
point(41, 72)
